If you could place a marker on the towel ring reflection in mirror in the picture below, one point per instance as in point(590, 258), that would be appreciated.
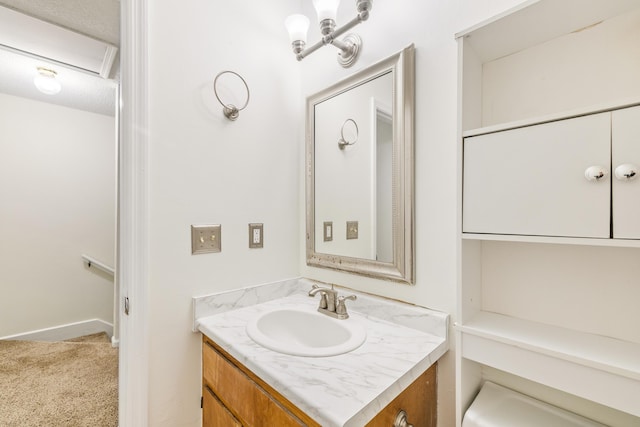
point(342, 142)
point(230, 111)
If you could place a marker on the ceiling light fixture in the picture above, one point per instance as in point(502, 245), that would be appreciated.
point(46, 81)
point(349, 46)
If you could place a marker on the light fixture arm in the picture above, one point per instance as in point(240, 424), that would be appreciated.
point(349, 47)
point(362, 16)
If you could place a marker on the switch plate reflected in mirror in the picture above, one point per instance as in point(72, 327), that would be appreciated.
point(352, 230)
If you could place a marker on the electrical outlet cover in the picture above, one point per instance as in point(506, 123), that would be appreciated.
point(206, 239)
point(328, 231)
point(256, 236)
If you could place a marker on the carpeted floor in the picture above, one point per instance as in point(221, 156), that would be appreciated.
point(66, 384)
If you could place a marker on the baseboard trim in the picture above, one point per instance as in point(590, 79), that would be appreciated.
point(65, 332)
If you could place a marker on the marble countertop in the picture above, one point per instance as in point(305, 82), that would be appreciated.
point(403, 341)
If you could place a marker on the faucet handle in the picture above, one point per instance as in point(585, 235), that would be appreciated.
point(341, 307)
point(323, 300)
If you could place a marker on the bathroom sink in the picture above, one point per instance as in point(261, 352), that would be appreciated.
point(305, 333)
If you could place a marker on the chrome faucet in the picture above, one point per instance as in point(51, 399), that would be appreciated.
point(330, 303)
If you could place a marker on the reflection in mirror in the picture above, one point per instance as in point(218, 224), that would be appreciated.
point(360, 172)
point(346, 178)
point(383, 140)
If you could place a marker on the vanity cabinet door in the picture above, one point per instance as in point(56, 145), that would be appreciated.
point(531, 180)
point(418, 401)
point(214, 413)
point(243, 394)
point(625, 147)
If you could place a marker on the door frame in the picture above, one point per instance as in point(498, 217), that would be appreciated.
point(132, 245)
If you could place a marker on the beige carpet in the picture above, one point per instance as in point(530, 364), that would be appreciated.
point(67, 384)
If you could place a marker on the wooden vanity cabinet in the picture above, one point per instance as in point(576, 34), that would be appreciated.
point(214, 413)
point(249, 400)
point(418, 401)
point(233, 396)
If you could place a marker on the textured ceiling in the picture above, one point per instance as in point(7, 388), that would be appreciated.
point(99, 19)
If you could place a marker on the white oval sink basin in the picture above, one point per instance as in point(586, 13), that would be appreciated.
point(305, 333)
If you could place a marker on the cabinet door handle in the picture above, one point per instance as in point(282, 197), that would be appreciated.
point(401, 420)
point(596, 173)
point(626, 172)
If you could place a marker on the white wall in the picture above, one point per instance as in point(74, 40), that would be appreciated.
point(205, 169)
point(57, 201)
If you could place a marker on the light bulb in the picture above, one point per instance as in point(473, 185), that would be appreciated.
point(46, 81)
point(326, 9)
point(297, 26)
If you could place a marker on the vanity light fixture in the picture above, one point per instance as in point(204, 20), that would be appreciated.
point(46, 81)
point(349, 46)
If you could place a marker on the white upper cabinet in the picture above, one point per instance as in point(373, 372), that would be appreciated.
point(548, 90)
point(625, 180)
point(531, 180)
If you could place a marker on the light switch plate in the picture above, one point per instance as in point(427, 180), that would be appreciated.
point(327, 228)
point(256, 236)
point(206, 239)
point(352, 230)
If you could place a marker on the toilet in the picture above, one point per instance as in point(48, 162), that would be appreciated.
point(497, 406)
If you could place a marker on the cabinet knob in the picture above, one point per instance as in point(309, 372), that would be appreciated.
point(401, 420)
point(626, 172)
point(596, 173)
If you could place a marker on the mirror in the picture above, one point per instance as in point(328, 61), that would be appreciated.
point(359, 167)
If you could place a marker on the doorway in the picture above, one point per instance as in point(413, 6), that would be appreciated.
point(58, 156)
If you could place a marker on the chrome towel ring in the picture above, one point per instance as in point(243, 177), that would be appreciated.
point(230, 111)
point(342, 142)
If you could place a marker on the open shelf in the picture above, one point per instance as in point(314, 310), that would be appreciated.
point(602, 369)
point(541, 21)
point(547, 60)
